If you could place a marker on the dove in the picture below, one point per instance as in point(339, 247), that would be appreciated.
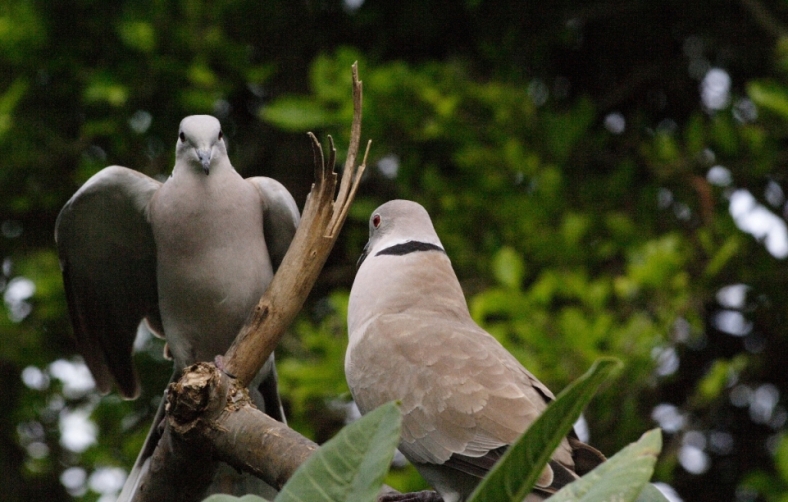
point(464, 397)
point(190, 257)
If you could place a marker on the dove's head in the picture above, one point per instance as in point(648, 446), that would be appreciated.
point(200, 141)
point(399, 222)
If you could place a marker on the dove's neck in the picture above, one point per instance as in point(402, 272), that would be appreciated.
point(412, 279)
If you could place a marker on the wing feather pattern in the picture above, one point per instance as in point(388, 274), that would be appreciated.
point(108, 259)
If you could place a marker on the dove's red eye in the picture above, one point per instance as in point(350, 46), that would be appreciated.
point(182, 136)
point(220, 135)
point(376, 221)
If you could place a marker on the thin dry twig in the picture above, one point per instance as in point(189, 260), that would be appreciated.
point(321, 221)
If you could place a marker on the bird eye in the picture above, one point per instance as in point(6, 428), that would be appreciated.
point(376, 221)
point(221, 135)
point(182, 136)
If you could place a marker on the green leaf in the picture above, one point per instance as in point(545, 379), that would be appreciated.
point(103, 89)
point(770, 96)
point(622, 478)
point(781, 458)
point(531, 452)
point(717, 378)
point(230, 498)
point(8, 101)
point(723, 255)
point(295, 113)
point(351, 466)
point(139, 35)
point(508, 267)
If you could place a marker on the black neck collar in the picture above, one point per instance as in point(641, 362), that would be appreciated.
point(410, 247)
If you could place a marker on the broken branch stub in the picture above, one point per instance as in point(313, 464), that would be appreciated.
point(321, 221)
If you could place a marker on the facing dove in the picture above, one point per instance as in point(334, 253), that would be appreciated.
point(191, 256)
point(464, 397)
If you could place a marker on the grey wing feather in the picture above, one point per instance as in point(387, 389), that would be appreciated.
point(280, 217)
point(108, 259)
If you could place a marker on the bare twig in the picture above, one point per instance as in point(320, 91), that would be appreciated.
point(316, 235)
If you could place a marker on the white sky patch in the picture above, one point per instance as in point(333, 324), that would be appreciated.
point(144, 336)
point(668, 417)
point(140, 121)
point(107, 480)
point(774, 194)
point(740, 396)
point(763, 402)
point(733, 296)
point(73, 479)
point(38, 450)
point(353, 5)
point(582, 430)
point(719, 176)
point(715, 89)
point(17, 292)
point(681, 331)
point(34, 378)
point(11, 229)
point(75, 376)
point(538, 92)
point(667, 360)
point(664, 198)
point(682, 211)
point(389, 166)
point(691, 455)
point(615, 123)
point(745, 111)
point(353, 413)
point(755, 219)
point(693, 459)
point(77, 431)
point(732, 322)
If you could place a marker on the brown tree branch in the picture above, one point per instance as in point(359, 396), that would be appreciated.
point(196, 425)
point(209, 415)
point(264, 438)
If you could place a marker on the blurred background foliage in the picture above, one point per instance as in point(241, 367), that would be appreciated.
point(608, 178)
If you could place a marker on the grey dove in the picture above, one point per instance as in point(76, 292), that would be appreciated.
point(464, 397)
point(190, 256)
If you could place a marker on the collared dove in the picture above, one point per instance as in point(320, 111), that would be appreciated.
point(464, 397)
point(191, 256)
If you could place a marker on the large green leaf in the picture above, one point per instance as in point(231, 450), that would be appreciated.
point(515, 474)
point(351, 466)
point(508, 267)
point(623, 478)
point(650, 493)
point(230, 498)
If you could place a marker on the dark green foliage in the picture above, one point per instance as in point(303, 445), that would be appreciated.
point(590, 201)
